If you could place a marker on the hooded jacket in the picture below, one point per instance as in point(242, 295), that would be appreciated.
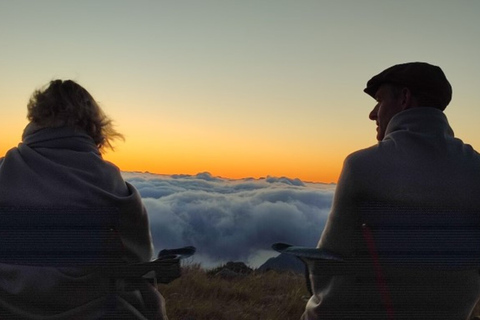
point(62, 168)
point(419, 163)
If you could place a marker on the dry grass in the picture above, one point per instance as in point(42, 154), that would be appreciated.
point(271, 295)
point(267, 296)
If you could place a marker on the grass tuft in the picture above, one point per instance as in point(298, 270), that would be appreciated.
point(202, 295)
point(199, 295)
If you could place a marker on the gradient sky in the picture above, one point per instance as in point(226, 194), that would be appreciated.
point(237, 88)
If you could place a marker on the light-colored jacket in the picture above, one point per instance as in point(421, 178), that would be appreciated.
point(419, 163)
point(62, 167)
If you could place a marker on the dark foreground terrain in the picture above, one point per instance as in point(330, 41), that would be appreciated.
point(244, 295)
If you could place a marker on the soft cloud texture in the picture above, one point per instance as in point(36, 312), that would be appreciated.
point(232, 219)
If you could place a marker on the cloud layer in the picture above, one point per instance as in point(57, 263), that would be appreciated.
point(232, 219)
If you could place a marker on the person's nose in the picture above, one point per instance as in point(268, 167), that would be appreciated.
point(373, 113)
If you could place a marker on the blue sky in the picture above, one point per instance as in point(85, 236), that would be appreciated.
point(236, 88)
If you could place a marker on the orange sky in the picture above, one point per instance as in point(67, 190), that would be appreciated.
point(226, 163)
point(235, 88)
point(175, 150)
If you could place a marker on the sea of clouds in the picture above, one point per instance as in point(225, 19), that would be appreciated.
point(232, 220)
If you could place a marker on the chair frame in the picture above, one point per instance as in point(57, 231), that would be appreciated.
point(78, 237)
point(431, 238)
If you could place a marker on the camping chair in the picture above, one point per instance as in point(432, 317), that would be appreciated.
point(397, 239)
point(80, 238)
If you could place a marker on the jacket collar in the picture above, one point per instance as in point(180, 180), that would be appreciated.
point(424, 120)
point(70, 138)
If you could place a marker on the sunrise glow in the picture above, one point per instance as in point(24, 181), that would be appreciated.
point(237, 89)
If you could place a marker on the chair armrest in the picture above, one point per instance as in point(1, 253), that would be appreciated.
point(307, 252)
point(166, 270)
point(317, 260)
point(180, 253)
point(166, 266)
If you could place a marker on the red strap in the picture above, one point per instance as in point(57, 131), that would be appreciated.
point(379, 278)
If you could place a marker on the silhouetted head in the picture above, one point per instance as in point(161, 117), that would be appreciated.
point(66, 103)
point(427, 83)
point(405, 86)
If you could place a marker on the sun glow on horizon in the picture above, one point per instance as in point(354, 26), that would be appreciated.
point(235, 88)
point(230, 166)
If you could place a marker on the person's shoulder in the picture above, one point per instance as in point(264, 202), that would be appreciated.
point(11, 155)
point(466, 148)
point(371, 159)
point(111, 170)
point(365, 155)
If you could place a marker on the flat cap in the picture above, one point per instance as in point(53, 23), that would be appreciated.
point(423, 79)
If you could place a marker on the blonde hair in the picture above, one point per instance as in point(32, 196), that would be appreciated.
point(66, 103)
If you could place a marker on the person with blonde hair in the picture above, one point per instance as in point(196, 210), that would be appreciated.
point(65, 103)
point(59, 165)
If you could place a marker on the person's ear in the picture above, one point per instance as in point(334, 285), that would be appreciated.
point(407, 99)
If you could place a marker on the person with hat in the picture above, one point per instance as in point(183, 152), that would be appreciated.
point(416, 163)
